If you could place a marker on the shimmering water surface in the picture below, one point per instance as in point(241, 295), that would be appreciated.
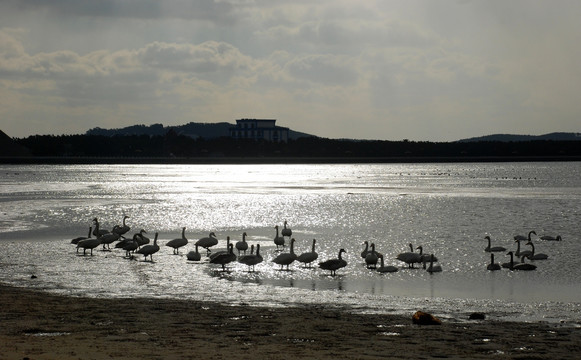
point(446, 208)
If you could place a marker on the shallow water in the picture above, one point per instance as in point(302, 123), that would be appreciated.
point(446, 208)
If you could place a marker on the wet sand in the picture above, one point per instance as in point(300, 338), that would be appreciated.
point(37, 325)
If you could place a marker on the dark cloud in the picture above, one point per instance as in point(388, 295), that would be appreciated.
point(141, 9)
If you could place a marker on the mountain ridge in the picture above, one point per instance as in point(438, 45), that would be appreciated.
point(221, 129)
point(555, 136)
point(191, 129)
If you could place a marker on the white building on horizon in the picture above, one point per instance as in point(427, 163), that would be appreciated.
point(259, 129)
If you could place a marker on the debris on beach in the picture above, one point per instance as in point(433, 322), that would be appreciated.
point(422, 318)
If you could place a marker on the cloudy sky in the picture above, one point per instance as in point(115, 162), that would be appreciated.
point(388, 70)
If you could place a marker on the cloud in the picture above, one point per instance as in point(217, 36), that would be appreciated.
point(207, 10)
point(399, 67)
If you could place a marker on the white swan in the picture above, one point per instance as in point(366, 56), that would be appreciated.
point(108, 238)
point(366, 250)
point(207, 242)
point(194, 255)
point(534, 256)
point(432, 268)
point(88, 244)
point(286, 258)
point(122, 229)
point(522, 237)
point(131, 246)
point(523, 265)
point(492, 249)
point(308, 257)
point(492, 266)
point(225, 259)
point(242, 245)
point(242, 258)
point(286, 231)
point(385, 269)
point(176, 244)
point(97, 231)
point(334, 264)
point(253, 259)
point(410, 258)
point(76, 240)
point(425, 256)
point(142, 239)
point(149, 250)
point(371, 258)
point(217, 253)
point(521, 253)
point(551, 238)
point(278, 240)
point(510, 264)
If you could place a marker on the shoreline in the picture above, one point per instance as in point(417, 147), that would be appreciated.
point(277, 160)
point(39, 325)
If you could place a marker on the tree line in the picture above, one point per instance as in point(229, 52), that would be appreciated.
point(175, 146)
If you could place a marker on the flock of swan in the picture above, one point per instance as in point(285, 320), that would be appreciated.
point(139, 244)
point(522, 254)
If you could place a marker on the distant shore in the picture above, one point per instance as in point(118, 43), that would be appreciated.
point(38, 325)
point(278, 160)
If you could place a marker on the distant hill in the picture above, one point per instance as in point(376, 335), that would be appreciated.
point(556, 136)
point(9, 147)
point(193, 130)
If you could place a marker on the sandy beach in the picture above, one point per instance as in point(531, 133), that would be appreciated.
point(37, 325)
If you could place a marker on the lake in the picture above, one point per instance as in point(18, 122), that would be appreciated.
point(447, 208)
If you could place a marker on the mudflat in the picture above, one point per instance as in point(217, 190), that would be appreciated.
point(38, 325)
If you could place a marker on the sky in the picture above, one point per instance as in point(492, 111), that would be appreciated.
point(421, 70)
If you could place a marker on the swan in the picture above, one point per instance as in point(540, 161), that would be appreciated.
point(371, 258)
point(510, 264)
point(385, 269)
point(225, 259)
point(278, 240)
point(334, 264)
point(410, 258)
point(367, 251)
point(194, 255)
point(242, 259)
point(286, 231)
point(108, 238)
point(522, 237)
point(551, 238)
point(176, 244)
point(122, 229)
point(308, 257)
point(77, 239)
point(432, 268)
point(88, 244)
point(492, 249)
point(425, 256)
point(253, 259)
point(137, 237)
point(97, 231)
point(523, 265)
point(142, 239)
point(149, 250)
point(242, 245)
point(213, 255)
point(207, 242)
point(521, 253)
point(286, 258)
point(492, 266)
point(131, 246)
point(534, 256)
